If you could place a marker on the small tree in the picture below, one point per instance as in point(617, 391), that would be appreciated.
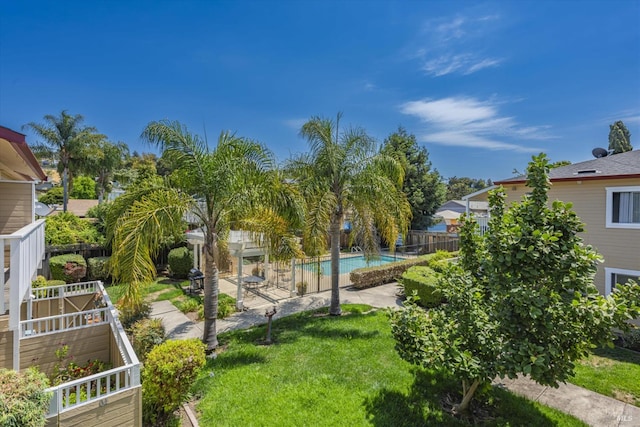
point(520, 301)
point(619, 138)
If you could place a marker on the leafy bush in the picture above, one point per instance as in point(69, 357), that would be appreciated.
point(100, 212)
point(146, 334)
point(23, 399)
point(180, 262)
point(69, 267)
point(170, 370)
point(424, 282)
point(84, 187)
point(188, 305)
point(226, 306)
point(65, 228)
point(129, 316)
point(97, 268)
point(52, 197)
point(56, 282)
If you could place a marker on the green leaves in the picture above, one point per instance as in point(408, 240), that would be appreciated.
point(523, 299)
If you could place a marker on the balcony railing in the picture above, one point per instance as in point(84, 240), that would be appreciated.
point(95, 387)
point(26, 251)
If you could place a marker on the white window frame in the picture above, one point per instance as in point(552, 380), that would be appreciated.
point(608, 271)
point(609, 207)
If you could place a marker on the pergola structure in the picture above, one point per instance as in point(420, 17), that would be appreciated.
point(241, 246)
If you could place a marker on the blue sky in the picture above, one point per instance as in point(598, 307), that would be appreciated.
point(483, 85)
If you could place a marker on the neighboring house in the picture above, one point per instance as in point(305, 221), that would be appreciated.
point(34, 324)
point(605, 193)
point(478, 208)
point(78, 207)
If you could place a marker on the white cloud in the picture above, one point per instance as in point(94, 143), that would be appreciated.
point(455, 45)
point(295, 123)
point(468, 122)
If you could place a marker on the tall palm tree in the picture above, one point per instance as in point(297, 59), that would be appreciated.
point(344, 172)
point(66, 139)
point(234, 184)
point(103, 159)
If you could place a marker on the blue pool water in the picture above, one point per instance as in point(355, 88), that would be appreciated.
point(348, 264)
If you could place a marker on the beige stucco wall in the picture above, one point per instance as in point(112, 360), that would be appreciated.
point(619, 247)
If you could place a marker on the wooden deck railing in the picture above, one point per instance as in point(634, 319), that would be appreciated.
point(26, 251)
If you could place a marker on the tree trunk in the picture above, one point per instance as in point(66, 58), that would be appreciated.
point(467, 396)
point(211, 287)
point(65, 188)
point(334, 232)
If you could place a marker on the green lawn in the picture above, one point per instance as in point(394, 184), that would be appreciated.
point(613, 372)
point(336, 371)
point(166, 289)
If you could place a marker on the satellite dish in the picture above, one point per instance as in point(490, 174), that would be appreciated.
point(42, 209)
point(599, 152)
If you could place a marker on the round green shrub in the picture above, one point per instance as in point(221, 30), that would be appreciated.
point(180, 262)
point(146, 334)
point(169, 371)
point(97, 268)
point(56, 282)
point(52, 197)
point(69, 267)
point(424, 282)
point(23, 399)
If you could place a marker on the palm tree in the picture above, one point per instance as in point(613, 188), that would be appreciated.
point(66, 139)
point(103, 159)
point(235, 184)
point(344, 172)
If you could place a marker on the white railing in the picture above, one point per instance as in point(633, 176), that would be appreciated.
point(97, 387)
point(93, 388)
point(68, 290)
point(26, 255)
point(63, 322)
point(483, 224)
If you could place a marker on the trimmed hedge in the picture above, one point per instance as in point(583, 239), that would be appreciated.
point(69, 267)
point(97, 268)
point(368, 277)
point(180, 262)
point(423, 281)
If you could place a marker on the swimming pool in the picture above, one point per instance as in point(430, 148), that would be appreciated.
point(348, 264)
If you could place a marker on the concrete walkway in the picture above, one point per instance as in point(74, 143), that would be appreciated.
point(593, 408)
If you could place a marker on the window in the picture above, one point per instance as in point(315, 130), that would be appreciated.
point(615, 276)
point(623, 207)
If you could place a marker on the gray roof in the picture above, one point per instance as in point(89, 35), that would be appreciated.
point(616, 165)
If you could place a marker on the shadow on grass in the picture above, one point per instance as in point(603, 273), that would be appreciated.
point(618, 353)
point(422, 406)
point(232, 360)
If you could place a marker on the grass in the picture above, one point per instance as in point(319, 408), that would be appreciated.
point(340, 371)
point(614, 372)
point(166, 289)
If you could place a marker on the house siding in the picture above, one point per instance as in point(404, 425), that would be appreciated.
point(16, 209)
point(620, 248)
